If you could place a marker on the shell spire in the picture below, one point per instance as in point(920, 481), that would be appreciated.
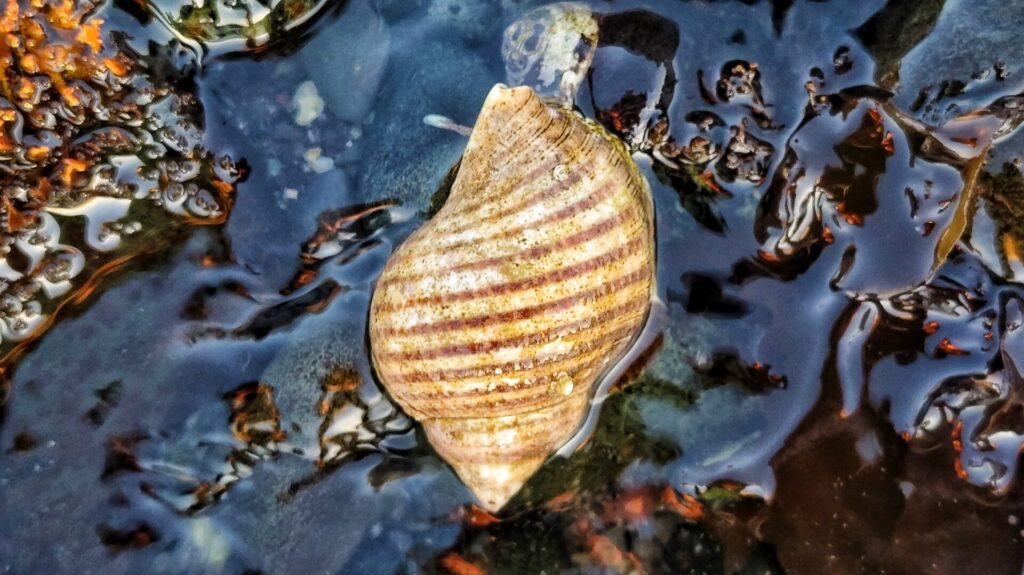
point(492, 324)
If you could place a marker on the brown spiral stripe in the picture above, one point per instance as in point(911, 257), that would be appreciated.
point(492, 323)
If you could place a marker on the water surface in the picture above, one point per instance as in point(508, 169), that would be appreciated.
point(834, 385)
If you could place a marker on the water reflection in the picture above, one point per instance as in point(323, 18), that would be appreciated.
point(837, 382)
point(967, 324)
point(94, 128)
point(840, 200)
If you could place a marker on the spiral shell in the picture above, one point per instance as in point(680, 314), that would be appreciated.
point(492, 324)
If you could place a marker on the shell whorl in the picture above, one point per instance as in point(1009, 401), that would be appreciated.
point(492, 323)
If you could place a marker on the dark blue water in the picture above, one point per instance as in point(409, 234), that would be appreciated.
point(835, 385)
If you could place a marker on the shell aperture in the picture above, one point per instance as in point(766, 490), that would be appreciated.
point(492, 324)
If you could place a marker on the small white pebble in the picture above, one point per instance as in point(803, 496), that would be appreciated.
point(317, 162)
point(307, 103)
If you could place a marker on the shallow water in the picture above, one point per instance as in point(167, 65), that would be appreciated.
point(834, 384)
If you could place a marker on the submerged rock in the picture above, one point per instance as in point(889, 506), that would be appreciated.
point(346, 60)
point(971, 41)
point(471, 20)
point(894, 31)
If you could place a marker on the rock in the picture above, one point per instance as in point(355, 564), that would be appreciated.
point(405, 158)
point(298, 373)
point(472, 20)
point(346, 61)
point(894, 31)
point(969, 38)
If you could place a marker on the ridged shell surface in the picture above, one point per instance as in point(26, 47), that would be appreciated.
point(492, 324)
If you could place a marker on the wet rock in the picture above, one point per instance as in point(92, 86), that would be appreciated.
point(970, 38)
point(406, 159)
point(262, 215)
point(332, 415)
point(709, 406)
point(894, 31)
point(472, 20)
point(299, 372)
point(633, 77)
point(93, 130)
point(376, 531)
point(346, 60)
point(281, 316)
point(944, 361)
point(394, 10)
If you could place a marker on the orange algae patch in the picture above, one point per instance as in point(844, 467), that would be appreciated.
point(478, 517)
point(254, 415)
point(949, 348)
point(687, 506)
point(89, 35)
point(70, 167)
point(71, 100)
point(455, 564)
point(116, 67)
point(1010, 247)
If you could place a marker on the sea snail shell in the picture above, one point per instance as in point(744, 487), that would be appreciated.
point(492, 324)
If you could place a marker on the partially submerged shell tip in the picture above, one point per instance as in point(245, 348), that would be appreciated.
point(494, 484)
